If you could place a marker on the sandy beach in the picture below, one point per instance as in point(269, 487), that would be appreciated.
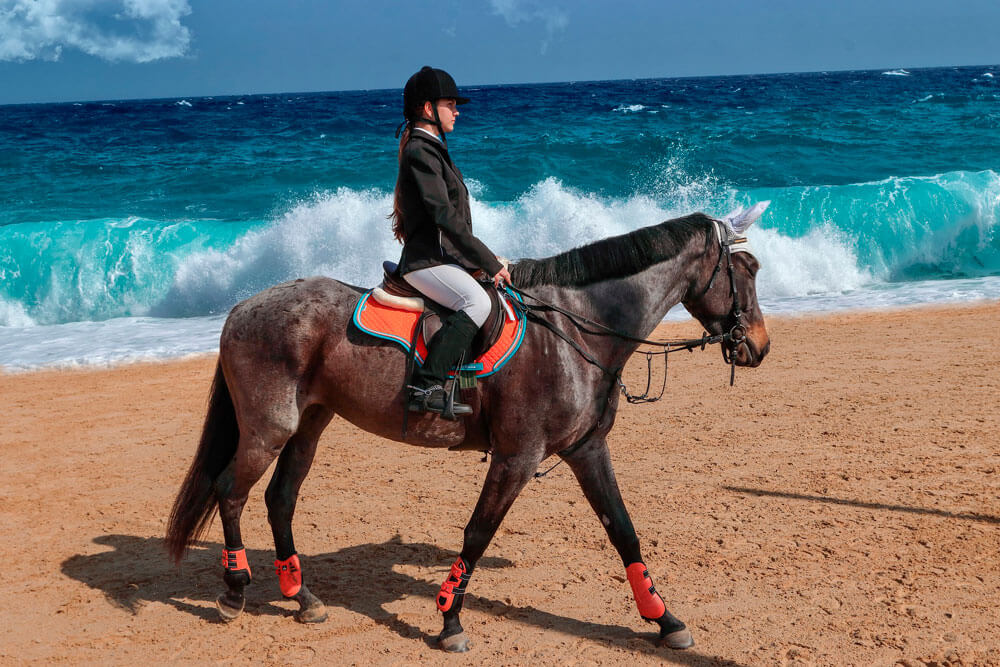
point(840, 505)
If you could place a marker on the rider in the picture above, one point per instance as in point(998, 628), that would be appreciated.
point(431, 217)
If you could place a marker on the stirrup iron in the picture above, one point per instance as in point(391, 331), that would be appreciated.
point(449, 405)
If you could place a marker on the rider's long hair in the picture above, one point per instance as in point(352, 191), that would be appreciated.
point(397, 208)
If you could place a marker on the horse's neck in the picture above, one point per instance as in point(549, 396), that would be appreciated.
point(636, 304)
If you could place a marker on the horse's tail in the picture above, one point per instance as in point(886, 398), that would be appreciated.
point(196, 502)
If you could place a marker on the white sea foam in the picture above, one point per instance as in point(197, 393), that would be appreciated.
point(345, 234)
point(820, 262)
point(183, 103)
point(629, 108)
point(896, 72)
point(13, 314)
point(683, 190)
point(551, 218)
point(116, 341)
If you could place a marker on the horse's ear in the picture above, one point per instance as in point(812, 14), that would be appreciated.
point(740, 220)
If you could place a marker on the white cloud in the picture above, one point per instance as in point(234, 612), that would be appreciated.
point(526, 11)
point(137, 31)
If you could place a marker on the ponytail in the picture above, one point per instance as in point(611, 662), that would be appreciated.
point(397, 209)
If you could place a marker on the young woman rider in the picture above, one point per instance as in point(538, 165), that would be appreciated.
point(431, 217)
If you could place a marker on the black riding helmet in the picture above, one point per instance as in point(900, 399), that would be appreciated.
point(428, 85)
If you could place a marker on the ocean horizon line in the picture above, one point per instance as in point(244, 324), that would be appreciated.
point(173, 97)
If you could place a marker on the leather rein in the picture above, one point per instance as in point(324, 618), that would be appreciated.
point(735, 337)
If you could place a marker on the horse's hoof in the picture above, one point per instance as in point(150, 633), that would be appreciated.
point(455, 644)
point(311, 608)
point(314, 614)
point(227, 610)
point(679, 639)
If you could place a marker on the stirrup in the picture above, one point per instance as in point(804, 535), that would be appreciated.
point(435, 399)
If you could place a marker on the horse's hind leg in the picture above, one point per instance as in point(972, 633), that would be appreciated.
point(282, 494)
point(592, 466)
point(256, 450)
point(504, 481)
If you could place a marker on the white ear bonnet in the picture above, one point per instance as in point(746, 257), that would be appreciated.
point(735, 224)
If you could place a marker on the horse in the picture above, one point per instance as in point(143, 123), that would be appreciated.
point(290, 358)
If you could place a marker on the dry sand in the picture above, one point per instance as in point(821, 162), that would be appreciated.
point(839, 505)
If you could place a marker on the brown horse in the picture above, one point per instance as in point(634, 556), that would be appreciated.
point(290, 359)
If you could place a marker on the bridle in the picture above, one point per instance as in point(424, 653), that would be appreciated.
point(734, 338)
point(738, 333)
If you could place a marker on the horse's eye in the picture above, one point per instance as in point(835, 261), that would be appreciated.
point(752, 265)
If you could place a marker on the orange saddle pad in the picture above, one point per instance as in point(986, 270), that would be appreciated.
point(397, 325)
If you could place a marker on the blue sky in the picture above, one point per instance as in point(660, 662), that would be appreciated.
point(62, 50)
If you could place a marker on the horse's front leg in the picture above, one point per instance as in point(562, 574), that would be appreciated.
point(592, 466)
point(504, 480)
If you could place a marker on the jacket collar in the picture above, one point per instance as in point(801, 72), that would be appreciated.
point(433, 141)
point(425, 134)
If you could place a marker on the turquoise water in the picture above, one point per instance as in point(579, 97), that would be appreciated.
point(129, 228)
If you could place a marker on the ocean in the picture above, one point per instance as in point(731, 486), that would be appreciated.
point(129, 228)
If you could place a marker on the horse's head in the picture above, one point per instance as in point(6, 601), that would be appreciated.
point(723, 293)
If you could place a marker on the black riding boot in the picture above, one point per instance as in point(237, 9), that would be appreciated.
point(452, 340)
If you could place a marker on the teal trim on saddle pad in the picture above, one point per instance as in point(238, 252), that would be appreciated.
point(476, 367)
point(521, 326)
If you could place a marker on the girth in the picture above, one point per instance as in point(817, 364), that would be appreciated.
point(488, 334)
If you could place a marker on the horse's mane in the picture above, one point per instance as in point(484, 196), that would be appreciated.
point(610, 258)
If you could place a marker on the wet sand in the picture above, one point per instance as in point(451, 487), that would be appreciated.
point(839, 505)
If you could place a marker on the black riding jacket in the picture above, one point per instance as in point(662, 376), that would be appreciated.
point(437, 222)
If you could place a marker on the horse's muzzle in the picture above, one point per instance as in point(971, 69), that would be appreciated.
point(748, 346)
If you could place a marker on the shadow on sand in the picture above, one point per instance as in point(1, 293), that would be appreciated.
point(358, 578)
point(965, 516)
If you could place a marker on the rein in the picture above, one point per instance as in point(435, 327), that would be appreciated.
point(591, 327)
point(735, 337)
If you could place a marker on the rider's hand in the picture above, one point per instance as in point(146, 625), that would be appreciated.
point(502, 276)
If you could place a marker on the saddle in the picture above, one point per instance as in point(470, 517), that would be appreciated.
point(393, 311)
